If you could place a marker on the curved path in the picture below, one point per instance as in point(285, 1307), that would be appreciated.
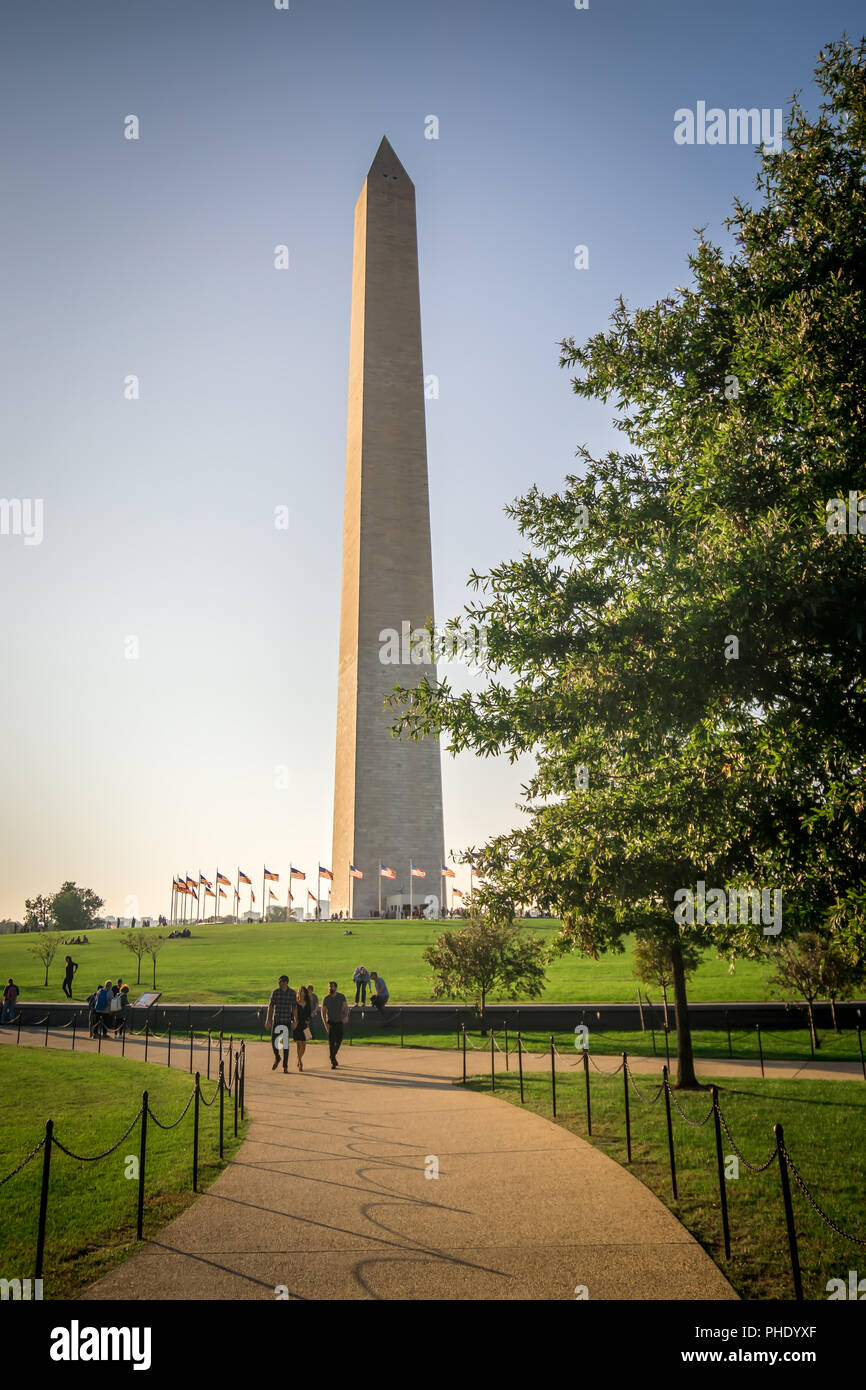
point(328, 1197)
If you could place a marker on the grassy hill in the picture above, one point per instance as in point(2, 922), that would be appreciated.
point(241, 964)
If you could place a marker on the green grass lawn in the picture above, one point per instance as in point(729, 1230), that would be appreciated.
point(92, 1206)
point(825, 1134)
point(240, 965)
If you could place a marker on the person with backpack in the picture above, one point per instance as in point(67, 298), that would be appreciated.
point(10, 995)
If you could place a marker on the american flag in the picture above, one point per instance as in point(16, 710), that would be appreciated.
point(242, 877)
point(295, 873)
point(355, 873)
point(274, 877)
point(325, 873)
point(446, 872)
point(417, 873)
point(386, 873)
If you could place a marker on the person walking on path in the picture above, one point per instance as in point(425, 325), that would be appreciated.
point(10, 994)
point(280, 1019)
point(379, 992)
point(71, 967)
point(335, 1013)
point(302, 1033)
point(362, 979)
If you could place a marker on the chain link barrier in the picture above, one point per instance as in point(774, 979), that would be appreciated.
point(855, 1240)
point(639, 1093)
point(23, 1163)
point(94, 1158)
point(176, 1122)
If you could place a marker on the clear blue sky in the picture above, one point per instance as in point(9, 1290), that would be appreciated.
point(155, 257)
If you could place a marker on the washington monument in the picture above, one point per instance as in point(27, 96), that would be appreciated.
point(387, 791)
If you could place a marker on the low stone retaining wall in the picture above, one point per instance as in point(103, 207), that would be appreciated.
point(435, 1018)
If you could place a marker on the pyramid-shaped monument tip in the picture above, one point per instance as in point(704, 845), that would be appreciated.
point(386, 164)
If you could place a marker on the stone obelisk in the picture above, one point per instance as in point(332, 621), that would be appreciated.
point(387, 791)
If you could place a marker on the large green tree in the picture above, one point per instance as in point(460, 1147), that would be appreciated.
point(74, 909)
point(681, 645)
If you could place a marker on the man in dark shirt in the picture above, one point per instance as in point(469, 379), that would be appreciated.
point(335, 1012)
point(71, 967)
point(280, 1021)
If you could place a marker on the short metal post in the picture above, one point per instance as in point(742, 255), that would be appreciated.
point(243, 1075)
point(653, 1035)
point(464, 1054)
point(20, 1018)
point(492, 1064)
point(860, 1045)
point(667, 1046)
point(237, 1088)
point(553, 1075)
point(520, 1062)
point(720, 1165)
point(142, 1156)
point(169, 1046)
point(222, 1085)
point(760, 1046)
point(74, 1021)
point(789, 1212)
point(195, 1132)
point(146, 1036)
point(457, 1021)
point(208, 1055)
point(190, 1051)
point(588, 1102)
point(627, 1111)
point(123, 1040)
point(47, 1016)
point(401, 1027)
point(507, 1068)
point(667, 1087)
point(98, 1037)
point(43, 1197)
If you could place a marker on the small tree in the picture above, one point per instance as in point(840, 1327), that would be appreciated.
point(800, 967)
point(487, 954)
point(138, 942)
point(45, 950)
point(841, 977)
point(154, 946)
point(653, 964)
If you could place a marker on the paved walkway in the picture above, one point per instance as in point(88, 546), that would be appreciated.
point(328, 1197)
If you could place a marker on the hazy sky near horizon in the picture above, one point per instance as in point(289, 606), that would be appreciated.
point(155, 257)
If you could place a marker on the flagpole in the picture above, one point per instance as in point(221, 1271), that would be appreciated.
point(318, 895)
point(351, 895)
point(263, 895)
point(237, 902)
point(380, 890)
point(411, 887)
